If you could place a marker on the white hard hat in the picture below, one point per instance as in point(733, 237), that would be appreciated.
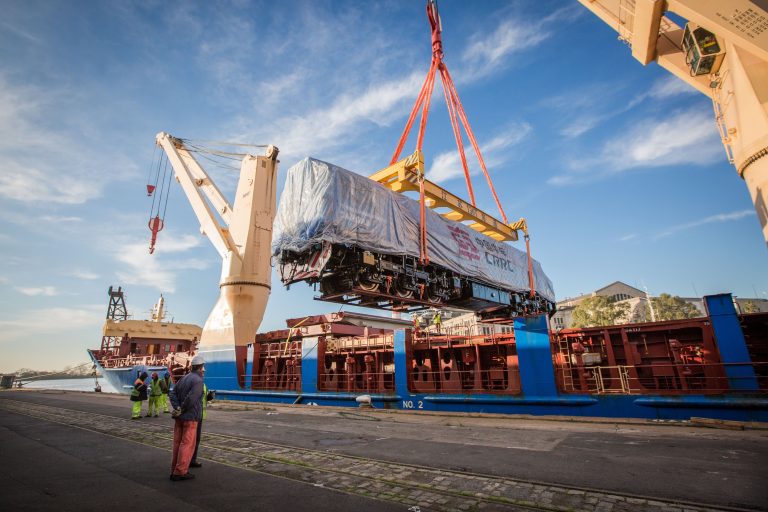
point(198, 360)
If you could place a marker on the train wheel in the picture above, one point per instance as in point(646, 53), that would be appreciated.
point(403, 292)
point(369, 287)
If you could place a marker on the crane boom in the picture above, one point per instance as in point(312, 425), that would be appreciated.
point(242, 238)
point(735, 77)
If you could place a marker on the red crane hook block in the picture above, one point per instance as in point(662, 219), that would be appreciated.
point(150, 189)
point(155, 225)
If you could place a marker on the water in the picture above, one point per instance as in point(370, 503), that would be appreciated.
point(83, 384)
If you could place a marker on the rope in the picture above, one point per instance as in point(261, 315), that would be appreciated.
point(157, 179)
point(224, 143)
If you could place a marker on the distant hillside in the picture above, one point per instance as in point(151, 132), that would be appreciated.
point(79, 371)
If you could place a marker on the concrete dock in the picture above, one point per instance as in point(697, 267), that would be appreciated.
point(80, 451)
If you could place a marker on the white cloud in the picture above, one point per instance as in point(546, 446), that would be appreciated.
point(44, 291)
point(721, 217)
point(19, 32)
point(687, 137)
point(447, 166)
point(628, 237)
point(51, 162)
point(488, 53)
point(669, 87)
point(28, 324)
point(85, 275)
point(157, 270)
point(331, 127)
point(587, 109)
point(58, 219)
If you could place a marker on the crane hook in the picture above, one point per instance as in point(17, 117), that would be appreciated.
point(155, 225)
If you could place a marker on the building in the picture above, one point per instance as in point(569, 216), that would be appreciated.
point(638, 301)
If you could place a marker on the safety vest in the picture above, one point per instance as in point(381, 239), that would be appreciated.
point(154, 388)
point(205, 399)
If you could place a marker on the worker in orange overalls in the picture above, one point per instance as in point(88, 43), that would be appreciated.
point(138, 395)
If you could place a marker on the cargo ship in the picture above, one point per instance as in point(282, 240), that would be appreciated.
point(715, 366)
point(130, 347)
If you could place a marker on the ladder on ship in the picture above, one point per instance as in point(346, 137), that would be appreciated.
point(565, 353)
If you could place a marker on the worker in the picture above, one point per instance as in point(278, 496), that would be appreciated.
point(207, 397)
point(437, 321)
point(155, 396)
point(187, 401)
point(138, 395)
point(165, 387)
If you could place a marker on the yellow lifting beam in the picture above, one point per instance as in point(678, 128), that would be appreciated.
point(404, 176)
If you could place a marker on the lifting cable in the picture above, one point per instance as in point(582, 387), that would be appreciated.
point(458, 118)
point(159, 199)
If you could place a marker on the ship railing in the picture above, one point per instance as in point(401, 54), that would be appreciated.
point(124, 362)
point(360, 343)
point(667, 378)
point(461, 336)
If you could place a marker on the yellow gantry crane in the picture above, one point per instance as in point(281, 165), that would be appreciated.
point(721, 52)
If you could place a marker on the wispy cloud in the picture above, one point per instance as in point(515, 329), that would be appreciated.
point(42, 291)
point(487, 53)
point(157, 270)
point(447, 166)
point(44, 164)
point(329, 127)
point(19, 32)
point(628, 237)
point(687, 137)
point(586, 109)
point(57, 219)
point(27, 324)
point(721, 217)
point(85, 275)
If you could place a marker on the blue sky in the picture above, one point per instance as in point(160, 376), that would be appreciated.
point(617, 167)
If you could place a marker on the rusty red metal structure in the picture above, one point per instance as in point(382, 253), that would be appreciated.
point(667, 358)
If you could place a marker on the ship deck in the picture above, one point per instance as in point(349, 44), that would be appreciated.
point(70, 450)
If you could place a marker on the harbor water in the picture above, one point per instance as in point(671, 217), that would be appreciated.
point(83, 384)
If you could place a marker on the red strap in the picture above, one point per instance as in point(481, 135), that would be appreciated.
point(468, 129)
point(451, 104)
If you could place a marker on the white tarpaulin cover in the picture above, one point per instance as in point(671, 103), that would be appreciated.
point(323, 202)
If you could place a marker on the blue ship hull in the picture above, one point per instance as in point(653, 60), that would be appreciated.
point(122, 379)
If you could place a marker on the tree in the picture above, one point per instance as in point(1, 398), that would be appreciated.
point(667, 307)
point(750, 307)
point(598, 311)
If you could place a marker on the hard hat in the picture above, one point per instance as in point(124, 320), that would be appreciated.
point(154, 375)
point(198, 360)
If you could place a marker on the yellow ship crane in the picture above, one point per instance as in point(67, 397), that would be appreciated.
point(241, 234)
point(722, 52)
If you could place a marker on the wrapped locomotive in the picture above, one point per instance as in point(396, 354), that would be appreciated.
point(360, 242)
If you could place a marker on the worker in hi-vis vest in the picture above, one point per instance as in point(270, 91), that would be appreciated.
point(155, 396)
point(207, 396)
point(438, 322)
point(165, 387)
point(138, 395)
